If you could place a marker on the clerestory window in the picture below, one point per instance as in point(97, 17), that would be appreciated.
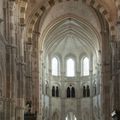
point(55, 66)
point(70, 68)
point(85, 66)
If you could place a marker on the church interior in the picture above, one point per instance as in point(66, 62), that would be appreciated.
point(59, 59)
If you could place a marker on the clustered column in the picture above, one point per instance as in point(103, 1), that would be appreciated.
point(10, 65)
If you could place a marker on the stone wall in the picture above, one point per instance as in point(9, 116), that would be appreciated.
point(2, 77)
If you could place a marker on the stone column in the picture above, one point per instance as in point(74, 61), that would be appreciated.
point(105, 77)
point(21, 90)
point(91, 93)
point(98, 84)
point(35, 72)
point(63, 111)
point(10, 64)
point(79, 116)
point(28, 72)
point(28, 75)
point(20, 101)
point(114, 74)
point(40, 112)
point(91, 86)
point(115, 89)
point(118, 67)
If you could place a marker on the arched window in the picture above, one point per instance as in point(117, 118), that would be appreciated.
point(66, 118)
point(85, 66)
point(73, 92)
point(88, 91)
point(55, 116)
point(70, 116)
point(75, 117)
point(53, 91)
point(68, 92)
point(84, 91)
point(55, 66)
point(57, 91)
point(70, 68)
point(95, 89)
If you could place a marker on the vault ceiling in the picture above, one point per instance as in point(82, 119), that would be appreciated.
point(74, 36)
point(108, 4)
point(35, 9)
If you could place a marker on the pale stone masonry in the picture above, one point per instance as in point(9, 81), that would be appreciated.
point(32, 33)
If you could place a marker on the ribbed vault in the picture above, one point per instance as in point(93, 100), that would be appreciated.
point(44, 9)
point(70, 30)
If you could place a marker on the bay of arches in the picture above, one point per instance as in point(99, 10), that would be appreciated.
point(70, 116)
point(55, 91)
point(70, 91)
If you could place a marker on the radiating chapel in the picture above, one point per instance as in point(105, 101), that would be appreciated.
point(59, 59)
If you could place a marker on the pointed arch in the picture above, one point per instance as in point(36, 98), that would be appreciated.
point(57, 91)
point(88, 91)
point(55, 116)
point(84, 91)
point(49, 4)
point(68, 92)
point(73, 92)
point(53, 91)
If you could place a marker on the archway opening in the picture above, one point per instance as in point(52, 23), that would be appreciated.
point(70, 116)
point(75, 44)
